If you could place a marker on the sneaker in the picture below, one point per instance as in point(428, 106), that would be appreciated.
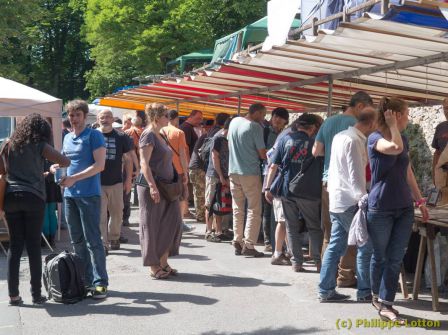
point(187, 228)
point(237, 247)
point(100, 292)
point(267, 248)
point(335, 297)
point(115, 245)
point(123, 239)
point(368, 299)
point(39, 300)
point(280, 260)
point(251, 252)
point(224, 237)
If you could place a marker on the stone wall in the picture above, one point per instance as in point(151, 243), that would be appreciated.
point(420, 132)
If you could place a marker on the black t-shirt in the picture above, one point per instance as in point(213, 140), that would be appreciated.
point(196, 161)
point(190, 136)
point(117, 144)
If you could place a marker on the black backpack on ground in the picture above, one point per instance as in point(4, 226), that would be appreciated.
point(64, 278)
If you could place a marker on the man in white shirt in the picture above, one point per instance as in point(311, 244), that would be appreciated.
point(346, 186)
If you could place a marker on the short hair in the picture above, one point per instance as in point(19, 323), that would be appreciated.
point(256, 107)
point(282, 113)
point(75, 105)
point(136, 121)
point(306, 121)
point(367, 115)
point(360, 97)
point(221, 119)
point(127, 116)
point(173, 114)
point(194, 112)
point(66, 123)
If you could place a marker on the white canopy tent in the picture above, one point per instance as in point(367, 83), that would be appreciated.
point(17, 100)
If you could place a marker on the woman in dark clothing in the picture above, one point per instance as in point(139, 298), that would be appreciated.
point(23, 158)
point(390, 212)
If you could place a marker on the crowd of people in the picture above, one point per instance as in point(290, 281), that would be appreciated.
point(324, 183)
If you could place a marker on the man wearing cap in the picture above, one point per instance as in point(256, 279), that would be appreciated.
point(291, 152)
point(117, 152)
point(178, 145)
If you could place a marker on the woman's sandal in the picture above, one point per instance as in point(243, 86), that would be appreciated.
point(159, 274)
point(377, 305)
point(170, 270)
point(387, 314)
point(15, 302)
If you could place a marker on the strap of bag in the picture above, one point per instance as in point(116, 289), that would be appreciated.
point(5, 154)
point(168, 142)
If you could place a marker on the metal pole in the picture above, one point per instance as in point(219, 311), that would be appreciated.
point(239, 105)
point(330, 96)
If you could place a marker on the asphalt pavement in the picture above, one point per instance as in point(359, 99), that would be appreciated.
point(215, 293)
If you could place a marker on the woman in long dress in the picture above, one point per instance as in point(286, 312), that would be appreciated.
point(160, 219)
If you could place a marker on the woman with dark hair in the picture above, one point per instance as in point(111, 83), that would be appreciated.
point(390, 212)
point(23, 158)
point(160, 218)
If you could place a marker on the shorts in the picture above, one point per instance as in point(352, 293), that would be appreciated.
point(210, 189)
point(278, 210)
point(184, 189)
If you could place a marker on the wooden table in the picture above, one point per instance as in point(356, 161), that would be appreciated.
point(438, 217)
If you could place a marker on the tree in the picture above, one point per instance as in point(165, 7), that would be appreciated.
point(16, 34)
point(61, 58)
point(136, 37)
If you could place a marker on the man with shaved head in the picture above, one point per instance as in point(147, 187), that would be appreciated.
point(346, 186)
point(118, 150)
point(440, 136)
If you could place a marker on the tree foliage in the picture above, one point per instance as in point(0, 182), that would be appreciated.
point(137, 37)
point(77, 48)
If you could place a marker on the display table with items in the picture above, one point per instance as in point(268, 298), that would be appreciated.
point(438, 219)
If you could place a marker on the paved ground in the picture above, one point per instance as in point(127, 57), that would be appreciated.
point(215, 293)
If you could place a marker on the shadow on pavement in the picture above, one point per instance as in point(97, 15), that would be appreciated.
point(190, 245)
point(270, 331)
point(222, 280)
point(423, 305)
point(132, 304)
point(427, 324)
point(192, 257)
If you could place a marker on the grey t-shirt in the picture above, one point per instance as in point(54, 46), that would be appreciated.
point(25, 170)
point(245, 139)
point(440, 136)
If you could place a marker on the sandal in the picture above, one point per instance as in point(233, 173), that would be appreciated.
point(211, 237)
point(15, 302)
point(170, 270)
point(159, 274)
point(377, 305)
point(387, 314)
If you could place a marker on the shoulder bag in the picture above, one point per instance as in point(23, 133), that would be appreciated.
point(170, 190)
point(307, 184)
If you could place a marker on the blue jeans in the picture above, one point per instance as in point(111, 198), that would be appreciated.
point(83, 219)
point(390, 232)
point(340, 226)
